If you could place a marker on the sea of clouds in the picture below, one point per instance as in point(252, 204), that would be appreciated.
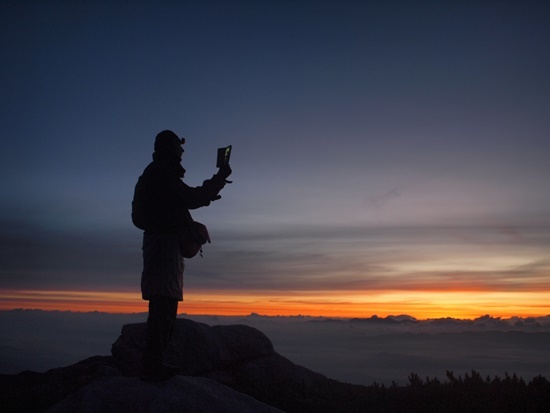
point(361, 351)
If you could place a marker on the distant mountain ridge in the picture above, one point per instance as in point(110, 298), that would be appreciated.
point(486, 321)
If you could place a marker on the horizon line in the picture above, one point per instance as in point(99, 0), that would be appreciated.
point(254, 314)
point(353, 304)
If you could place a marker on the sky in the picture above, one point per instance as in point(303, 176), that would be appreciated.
point(389, 157)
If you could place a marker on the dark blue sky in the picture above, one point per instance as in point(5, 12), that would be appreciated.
point(376, 143)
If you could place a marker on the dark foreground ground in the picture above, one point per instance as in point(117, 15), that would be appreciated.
point(37, 392)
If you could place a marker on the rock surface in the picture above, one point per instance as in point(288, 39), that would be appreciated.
point(179, 394)
point(238, 356)
point(195, 348)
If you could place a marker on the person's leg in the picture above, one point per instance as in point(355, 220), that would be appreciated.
point(169, 313)
point(152, 356)
point(160, 325)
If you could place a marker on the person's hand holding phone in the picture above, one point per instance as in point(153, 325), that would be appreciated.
point(224, 172)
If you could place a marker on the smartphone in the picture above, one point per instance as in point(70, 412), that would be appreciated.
point(223, 156)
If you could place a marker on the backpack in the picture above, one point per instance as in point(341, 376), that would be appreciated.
point(140, 207)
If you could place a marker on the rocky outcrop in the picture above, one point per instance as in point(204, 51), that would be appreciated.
point(238, 356)
point(30, 391)
point(195, 348)
point(178, 395)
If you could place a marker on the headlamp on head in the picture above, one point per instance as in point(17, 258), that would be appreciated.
point(169, 141)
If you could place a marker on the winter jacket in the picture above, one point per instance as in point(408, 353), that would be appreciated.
point(161, 208)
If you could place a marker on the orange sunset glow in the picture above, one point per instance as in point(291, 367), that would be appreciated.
point(421, 305)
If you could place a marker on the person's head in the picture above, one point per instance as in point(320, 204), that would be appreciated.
point(169, 144)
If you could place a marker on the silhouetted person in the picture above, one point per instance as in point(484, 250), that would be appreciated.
point(161, 208)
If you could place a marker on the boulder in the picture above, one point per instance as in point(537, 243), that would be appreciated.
point(238, 356)
point(195, 348)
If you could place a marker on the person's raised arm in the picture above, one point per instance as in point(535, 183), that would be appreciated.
point(209, 190)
